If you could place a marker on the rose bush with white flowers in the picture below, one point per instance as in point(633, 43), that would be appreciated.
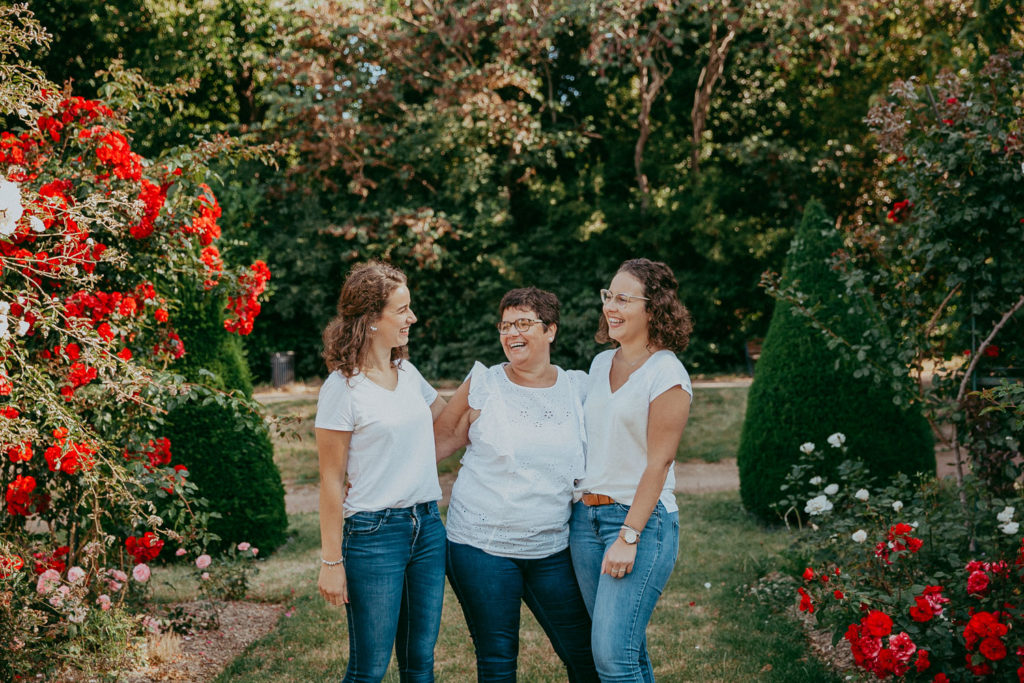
point(914, 588)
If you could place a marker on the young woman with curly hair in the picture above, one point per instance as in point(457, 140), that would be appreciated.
point(382, 541)
point(624, 532)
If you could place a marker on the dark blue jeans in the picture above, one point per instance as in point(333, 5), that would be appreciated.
point(491, 590)
point(394, 562)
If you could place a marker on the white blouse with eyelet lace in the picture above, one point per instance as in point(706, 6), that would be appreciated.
point(513, 495)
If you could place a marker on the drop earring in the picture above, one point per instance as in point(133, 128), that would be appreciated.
point(372, 328)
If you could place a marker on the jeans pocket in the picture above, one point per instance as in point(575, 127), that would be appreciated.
point(362, 523)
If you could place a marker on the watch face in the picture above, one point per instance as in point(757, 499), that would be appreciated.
point(629, 536)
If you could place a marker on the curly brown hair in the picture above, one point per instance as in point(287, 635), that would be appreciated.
point(362, 300)
point(670, 324)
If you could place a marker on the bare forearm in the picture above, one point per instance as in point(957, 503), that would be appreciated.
point(648, 491)
point(332, 517)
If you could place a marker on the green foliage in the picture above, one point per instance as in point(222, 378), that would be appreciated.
point(226, 449)
point(803, 390)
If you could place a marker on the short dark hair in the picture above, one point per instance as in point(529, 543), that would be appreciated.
point(545, 304)
point(670, 325)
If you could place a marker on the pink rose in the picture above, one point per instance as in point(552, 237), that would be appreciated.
point(205, 576)
point(48, 580)
point(118, 575)
point(141, 573)
point(203, 561)
point(104, 602)
point(243, 546)
point(76, 574)
point(255, 552)
point(179, 552)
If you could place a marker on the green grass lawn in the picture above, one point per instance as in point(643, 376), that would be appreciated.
point(716, 417)
point(698, 633)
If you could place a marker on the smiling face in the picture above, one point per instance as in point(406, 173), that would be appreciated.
point(526, 348)
point(396, 319)
point(627, 323)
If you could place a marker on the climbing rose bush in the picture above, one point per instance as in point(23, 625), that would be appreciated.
point(97, 244)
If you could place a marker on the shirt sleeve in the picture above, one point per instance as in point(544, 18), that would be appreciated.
point(580, 382)
point(428, 392)
point(668, 373)
point(334, 408)
point(479, 386)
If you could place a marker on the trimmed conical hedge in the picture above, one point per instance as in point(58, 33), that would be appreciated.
point(804, 391)
point(230, 460)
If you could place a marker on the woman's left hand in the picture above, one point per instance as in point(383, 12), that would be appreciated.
point(618, 559)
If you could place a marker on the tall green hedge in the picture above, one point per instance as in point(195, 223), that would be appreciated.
point(804, 391)
point(229, 456)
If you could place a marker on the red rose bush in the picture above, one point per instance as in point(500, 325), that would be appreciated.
point(914, 587)
point(96, 246)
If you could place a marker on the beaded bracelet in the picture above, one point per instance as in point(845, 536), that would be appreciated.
point(333, 564)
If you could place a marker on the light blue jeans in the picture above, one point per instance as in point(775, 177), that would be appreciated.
point(394, 563)
point(621, 608)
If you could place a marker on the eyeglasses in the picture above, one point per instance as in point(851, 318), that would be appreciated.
point(522, 324)
point(607, 296)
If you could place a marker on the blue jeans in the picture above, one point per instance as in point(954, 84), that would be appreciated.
point(491, 590)
point(621, 608)
point(394, 563)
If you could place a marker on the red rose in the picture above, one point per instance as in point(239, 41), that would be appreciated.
point(993, 649)
point(808, 574)
point(978, 583)
point(877, 624)
point(922, 662)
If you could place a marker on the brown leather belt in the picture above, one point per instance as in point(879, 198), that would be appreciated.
point(596, 499)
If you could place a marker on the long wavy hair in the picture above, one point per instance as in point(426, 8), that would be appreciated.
point(362, 300)
point(670, 324)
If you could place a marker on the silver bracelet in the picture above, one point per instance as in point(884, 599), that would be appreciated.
point(340, 560)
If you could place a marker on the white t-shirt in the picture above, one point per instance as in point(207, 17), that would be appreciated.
point(513, 495)
point(391, 462)
point(617, 425)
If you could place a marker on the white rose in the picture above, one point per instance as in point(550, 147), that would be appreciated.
point(897, 505)
point(859, 536)
point(862, 495)
point(23, 328)
point(10, 207)
point(832, 489)
point(837, 440)
point(1009, 528)
point(815, 481)
point(37, 225)
point(807, 448)
point(1006, 515)
point(818, 505)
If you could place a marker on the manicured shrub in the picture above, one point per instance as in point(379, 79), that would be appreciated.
point(805, 391)
point(228, 452)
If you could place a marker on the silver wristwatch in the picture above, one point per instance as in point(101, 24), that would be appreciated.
point(629, 534)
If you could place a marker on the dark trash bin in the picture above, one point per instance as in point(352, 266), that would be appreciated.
point(282, 368)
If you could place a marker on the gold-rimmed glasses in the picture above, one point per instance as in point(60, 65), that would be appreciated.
point(608, 296)
point(521, 324)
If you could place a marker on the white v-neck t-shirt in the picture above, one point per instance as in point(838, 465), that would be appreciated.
point(391, 460)
point(617, 425)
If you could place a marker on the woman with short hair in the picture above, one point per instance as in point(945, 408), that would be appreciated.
point(508, 520)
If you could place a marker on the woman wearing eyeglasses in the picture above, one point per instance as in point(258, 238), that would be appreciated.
point(382, 540)
point(625, 525)
point(508, 520)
